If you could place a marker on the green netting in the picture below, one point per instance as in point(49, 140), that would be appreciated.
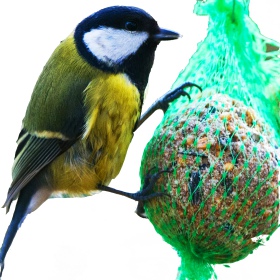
point(233, 60)
point(220, 148)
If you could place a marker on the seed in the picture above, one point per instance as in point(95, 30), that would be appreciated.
point(226, 115)
point(190, 140)
point(256, 137)
point(223, 141)
point(228, 166)
point(250, 116)
point(267, 213)
point(201, 143)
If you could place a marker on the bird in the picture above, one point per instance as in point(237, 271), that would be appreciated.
point(83, 111)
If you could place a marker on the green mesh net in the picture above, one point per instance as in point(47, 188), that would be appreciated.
point(220, 148)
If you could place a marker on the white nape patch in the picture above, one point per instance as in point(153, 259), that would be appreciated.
point(112, 45)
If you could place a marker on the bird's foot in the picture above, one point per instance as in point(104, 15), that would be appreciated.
point(163, 102)
point(149, 183)
point(174, 94)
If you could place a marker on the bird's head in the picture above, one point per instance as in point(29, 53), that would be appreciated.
point(119, 39)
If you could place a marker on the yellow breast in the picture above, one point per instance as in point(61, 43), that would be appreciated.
point(113, 107)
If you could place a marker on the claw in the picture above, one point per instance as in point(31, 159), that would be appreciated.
point(140, 210)
point(151, 179)
point(163, 102)
point(149, 183)
point(174, 94)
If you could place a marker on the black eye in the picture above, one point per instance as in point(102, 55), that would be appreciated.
point(130, 26)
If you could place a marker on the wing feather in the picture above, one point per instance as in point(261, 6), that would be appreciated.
point(31, 158)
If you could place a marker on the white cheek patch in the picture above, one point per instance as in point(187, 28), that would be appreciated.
point(113, 45)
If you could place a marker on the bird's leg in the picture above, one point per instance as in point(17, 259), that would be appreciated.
point(163, 102)
point(147, 191)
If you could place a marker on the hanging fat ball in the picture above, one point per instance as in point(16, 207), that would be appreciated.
point(222, 181)
point(219, 152)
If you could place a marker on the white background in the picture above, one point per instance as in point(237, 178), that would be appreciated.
point(101, 237)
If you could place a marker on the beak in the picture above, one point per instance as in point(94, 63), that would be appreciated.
point(166, 35)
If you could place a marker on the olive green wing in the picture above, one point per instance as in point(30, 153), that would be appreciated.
point(32, 155)
point(37, 149)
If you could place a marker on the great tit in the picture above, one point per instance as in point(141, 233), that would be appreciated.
point(83, 112)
